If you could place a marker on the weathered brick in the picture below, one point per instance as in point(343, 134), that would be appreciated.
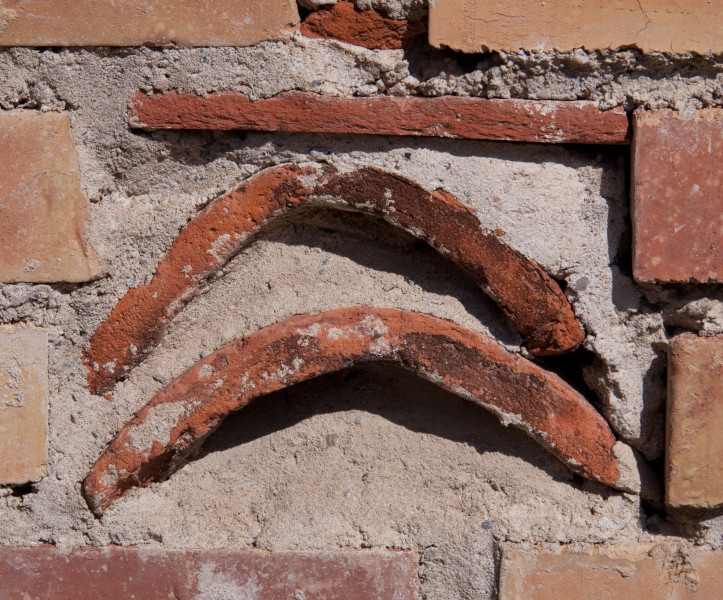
point(23, 404)
point(449, 116)
point(346, 23)
point(694, 452)
point(42, 208)
point(678, 196)
point(113, 573)
point(134, 22)
point(157, 440)
point(622, 572)
point(513, 25)
point(529, 297)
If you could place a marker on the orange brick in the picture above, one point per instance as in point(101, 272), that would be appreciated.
point(512, 25)
point(677, 196)
point(622, 572)
point(23, 404)
point(145, 573)
point(42, 208)
point(695, 421)
point(134, 23)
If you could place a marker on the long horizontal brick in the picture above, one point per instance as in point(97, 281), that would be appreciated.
point(23, 404)
point(136, 22)
point(530, 298)
point(345, 22)
point(694, 451)
point(42, 208)
point(453, 117)
point(677, 196)
point(622, 572)
point(513, 25)
point(177, 420)
point(113, 573)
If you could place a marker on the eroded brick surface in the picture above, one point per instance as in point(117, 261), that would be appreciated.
point(678, 196)
point(510, 26)
point(368, 28)
point(695, 421)
point(134, 23)
point(45, 573)
point(23, 404)
point(157, 440)
point(42, 208)
point(623, 572)
point(455, 117)
point(529, 297)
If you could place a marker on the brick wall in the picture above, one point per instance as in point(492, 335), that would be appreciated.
point(385, 299)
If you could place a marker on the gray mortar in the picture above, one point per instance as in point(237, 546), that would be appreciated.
point(392, 461)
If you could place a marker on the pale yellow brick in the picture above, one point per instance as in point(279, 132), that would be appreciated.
point(23, 404)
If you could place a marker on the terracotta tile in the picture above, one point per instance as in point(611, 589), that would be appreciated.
point(450, 117)
point(368, 28)
point(155, 442)
point(530, 298)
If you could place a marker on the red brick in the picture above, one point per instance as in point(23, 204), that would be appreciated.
point(42, 208)
point(694, 452)
point(529, 297)
point(177, 420)
point(622, 572)
point(135, 22)
point(565, 25)
point(346, 23)
point(453, 117)
point(678, 196)
point(113, 573)
point(23, 404)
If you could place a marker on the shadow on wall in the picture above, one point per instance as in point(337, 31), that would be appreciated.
point(403, 399)
point(200, 148)
point(373, 243)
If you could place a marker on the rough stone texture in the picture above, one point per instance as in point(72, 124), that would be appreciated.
point(367, 28)
point(133, 23)
point(678, 196)
point(45, 573)
point(177, 420)
point(623, 572)
point(651, 25)
point(528, 296)
point(467, 118)
point(394, 461)
point(42, 208)
point(23, 404)
point(694, 451)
